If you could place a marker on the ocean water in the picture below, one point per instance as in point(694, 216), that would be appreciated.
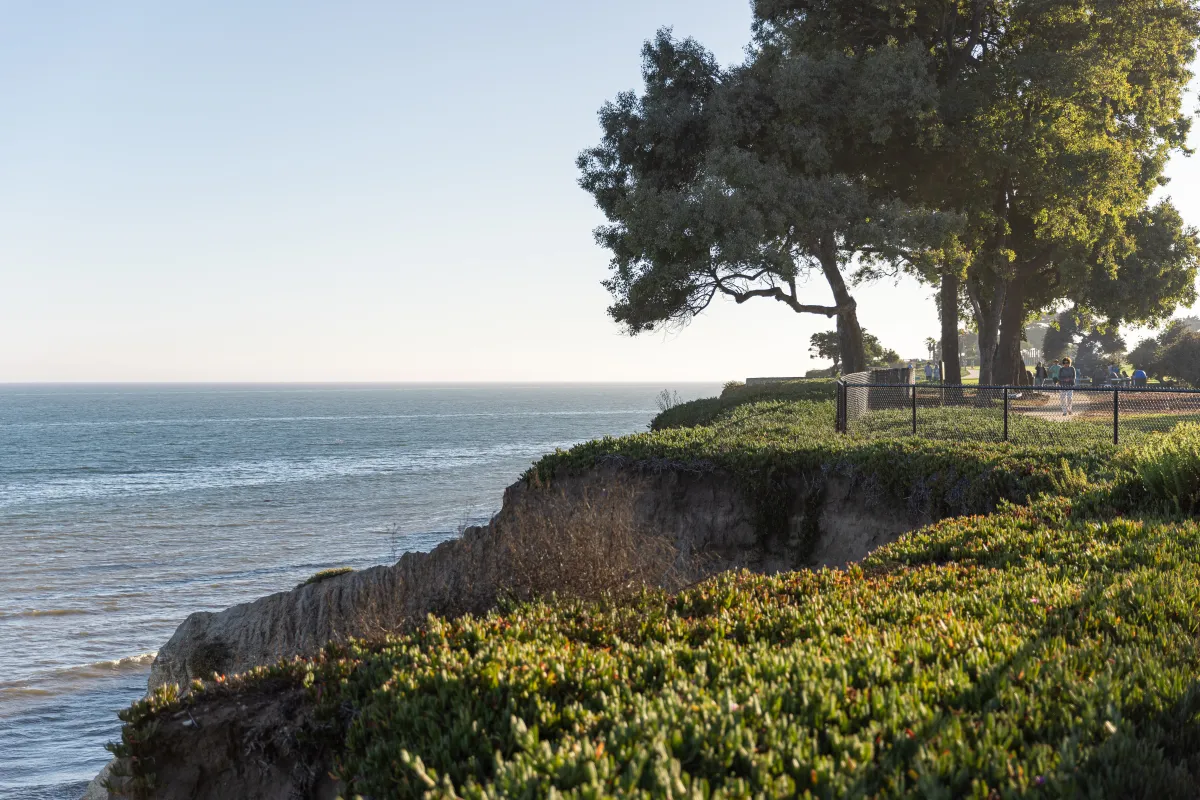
point(125, 508)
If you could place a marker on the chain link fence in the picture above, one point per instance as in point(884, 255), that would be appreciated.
point(1023, 415)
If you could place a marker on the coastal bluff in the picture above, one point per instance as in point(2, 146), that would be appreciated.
point(701, 512)
point(709, 522)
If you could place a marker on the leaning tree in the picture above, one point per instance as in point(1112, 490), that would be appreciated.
point(744, 183)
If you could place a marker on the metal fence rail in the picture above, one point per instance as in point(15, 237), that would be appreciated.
point(1021, 414)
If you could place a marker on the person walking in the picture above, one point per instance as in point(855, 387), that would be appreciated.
point(1066, 382)
point(1055, 368)
point(1039, 373)
point(928, 373)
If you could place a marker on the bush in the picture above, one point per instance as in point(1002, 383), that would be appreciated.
point(708, 410)
point(1033, 651)
point(325, 575)
point(1169, 467)
point(585, 547)
point(765, 445)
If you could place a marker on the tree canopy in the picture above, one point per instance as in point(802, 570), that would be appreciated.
point(748, 182)
point(1007, 150)
point(1054, 120)
point(1174, 354)
point(827, 346)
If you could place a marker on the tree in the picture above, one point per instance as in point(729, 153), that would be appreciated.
point(744, 182)
point(1191, 323)
point(948, 302)
point(1054, 121)
point(932, 346)
point(1145, 356)
point(1098, 349)
point(1166, 355)
point(1095, 342)
point(1060, 337)
point(1092, 100)
point(877, 355)
point(827, 346)
point(969, 344)
point(1181, 358)
point(1035, 332)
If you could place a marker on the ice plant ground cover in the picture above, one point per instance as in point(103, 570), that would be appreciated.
point(1035, 649)
point(1049, 648)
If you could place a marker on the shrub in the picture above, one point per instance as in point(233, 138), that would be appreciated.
point(709, 410)
point(325, 575)
point(585, 547)
point(666, 400)
point(819, 389)
point(1169, 467)
point(1031, 651)
point(764, 446)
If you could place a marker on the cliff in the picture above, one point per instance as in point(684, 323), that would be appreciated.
point(707, 522)
point(701, 513)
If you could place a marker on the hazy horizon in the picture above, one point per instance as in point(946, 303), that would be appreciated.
point(364, 192)
point(343, 384)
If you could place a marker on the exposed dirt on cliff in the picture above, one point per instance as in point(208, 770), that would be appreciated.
point(259, 744)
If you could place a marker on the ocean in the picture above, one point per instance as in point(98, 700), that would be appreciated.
point(125, 508)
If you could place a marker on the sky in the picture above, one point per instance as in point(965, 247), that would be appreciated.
point(349, 191)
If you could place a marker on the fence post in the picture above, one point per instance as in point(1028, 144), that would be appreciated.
point(914, 404)
point(1006, 413)
point(839, 422)
point(845, 407)
point(1116, 416)
point(837, 407)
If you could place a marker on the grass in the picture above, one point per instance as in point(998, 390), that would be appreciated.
point(971, 425)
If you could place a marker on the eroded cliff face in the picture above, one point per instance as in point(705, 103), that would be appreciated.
point(703, 513)
point(459, 575)
point(254, 746)
point(263, 744)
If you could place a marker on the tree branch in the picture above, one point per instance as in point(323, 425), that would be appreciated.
point(778, 294)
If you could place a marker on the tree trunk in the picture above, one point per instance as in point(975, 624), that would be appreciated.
point(991, 285)
point(850, 335)
point(1009, 369)
point(949, 314)
point(987, 300)
point(850, 338)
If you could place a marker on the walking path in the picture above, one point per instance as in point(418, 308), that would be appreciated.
point(1082, 402)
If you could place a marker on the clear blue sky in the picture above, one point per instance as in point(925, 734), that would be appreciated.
point(260, 191)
